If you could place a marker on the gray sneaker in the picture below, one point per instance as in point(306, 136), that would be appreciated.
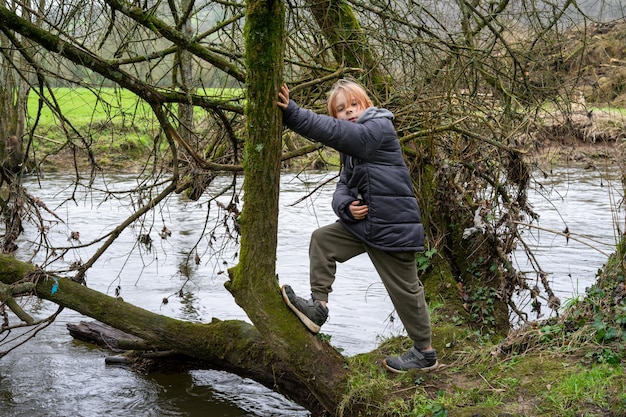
point(413, 359)
point(311, 312)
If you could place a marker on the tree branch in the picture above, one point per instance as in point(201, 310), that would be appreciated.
point(163, 29)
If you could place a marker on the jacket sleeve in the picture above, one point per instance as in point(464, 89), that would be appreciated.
point(355, 139)
point(342, 198)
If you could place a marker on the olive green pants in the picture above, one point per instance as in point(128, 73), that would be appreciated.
point(398, 271)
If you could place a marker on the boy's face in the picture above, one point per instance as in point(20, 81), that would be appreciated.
point(347, 111)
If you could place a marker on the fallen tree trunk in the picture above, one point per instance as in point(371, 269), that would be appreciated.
point(106, 336)
point(133, 351)
point(233, 345)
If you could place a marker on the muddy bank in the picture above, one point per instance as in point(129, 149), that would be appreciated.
point(587, 137)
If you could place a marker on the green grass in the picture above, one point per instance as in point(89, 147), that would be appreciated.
point(83, 106)
point(613, 111)
point(582, 386)
point(553, 373)
point(540, 384)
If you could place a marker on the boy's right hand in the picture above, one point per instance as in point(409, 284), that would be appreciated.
point(283, 97)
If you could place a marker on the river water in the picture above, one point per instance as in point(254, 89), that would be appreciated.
point(54, 375)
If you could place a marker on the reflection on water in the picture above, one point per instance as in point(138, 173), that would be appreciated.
point(53, 375)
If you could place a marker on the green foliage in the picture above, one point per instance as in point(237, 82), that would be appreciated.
point(550, 332)
point(482, 301)
point(604, 331)
point(620, 316)
point(424, 259)
point(438, 410)
point(606, 355)
point(324, 337)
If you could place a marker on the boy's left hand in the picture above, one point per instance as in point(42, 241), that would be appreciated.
point(358, 210)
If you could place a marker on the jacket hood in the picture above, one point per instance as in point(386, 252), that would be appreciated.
point(374, 113)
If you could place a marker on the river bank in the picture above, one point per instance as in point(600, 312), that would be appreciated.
point(555, 143)
point(584, 136)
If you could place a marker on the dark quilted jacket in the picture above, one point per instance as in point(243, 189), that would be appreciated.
point(373, 171)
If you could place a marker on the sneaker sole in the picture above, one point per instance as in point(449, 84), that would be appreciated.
point(400, 371)
point(304, 319)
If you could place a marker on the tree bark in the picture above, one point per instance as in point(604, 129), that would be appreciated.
point(253, 281)
point(348, 42)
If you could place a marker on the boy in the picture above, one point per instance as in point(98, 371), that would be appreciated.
point(378, 215)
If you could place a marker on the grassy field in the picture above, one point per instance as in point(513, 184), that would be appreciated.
point(116, 125)
point(82, 106)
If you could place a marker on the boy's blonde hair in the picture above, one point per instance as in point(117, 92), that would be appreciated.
point(352, 91)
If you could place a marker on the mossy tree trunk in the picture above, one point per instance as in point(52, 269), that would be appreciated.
point(253, 281)
point(466, 272)
point(183, 74)
point(9, 90)
point(349, 42)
